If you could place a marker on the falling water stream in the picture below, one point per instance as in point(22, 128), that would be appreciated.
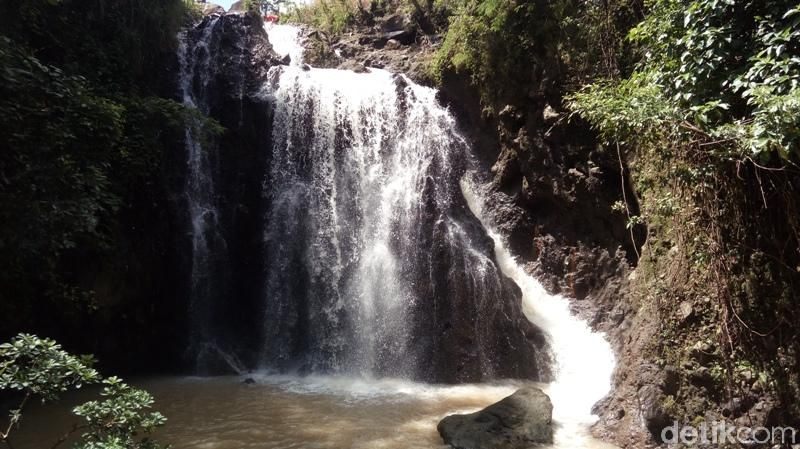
point(584, 359)
point(355, 282)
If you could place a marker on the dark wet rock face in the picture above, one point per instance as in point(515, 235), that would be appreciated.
point(553, 195)
point(520, 421)
point(226, 60)
point(651, 408)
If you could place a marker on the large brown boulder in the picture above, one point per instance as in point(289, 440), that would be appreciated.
point(516, 422)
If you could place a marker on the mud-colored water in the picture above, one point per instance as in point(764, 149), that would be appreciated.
point(288, 412)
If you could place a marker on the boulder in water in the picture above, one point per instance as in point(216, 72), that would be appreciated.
point(518, 421)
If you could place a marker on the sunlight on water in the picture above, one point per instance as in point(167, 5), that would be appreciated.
point(285, 40)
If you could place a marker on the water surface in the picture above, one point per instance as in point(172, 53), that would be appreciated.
point(283, 412)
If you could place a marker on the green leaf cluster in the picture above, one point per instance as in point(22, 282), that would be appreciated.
point(38, 368)
point(85, 132)
point(329, 16)
point(708, 121)
point(500, 45)
point(538, 47)
point(55, 182)
point(730, 70)
point(117, 420)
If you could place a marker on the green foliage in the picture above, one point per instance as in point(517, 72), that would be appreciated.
point(539, 47)
point(627, 111)
point(39, 368)
point(330, 16)
point(729, 77)
point(54, 183)
point(708, 120)
point(84, 134)
point(115, 44)
point(118, 419)
point(333, 17)
point(72, 159)
point(500, 45)
point(267, 6)
point(774, 128)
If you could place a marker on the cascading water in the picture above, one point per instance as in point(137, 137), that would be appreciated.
point(584, 359)
point(366, 230)
point(378, 260)
point(196, 57)
point(353, 158)
point(285, 40)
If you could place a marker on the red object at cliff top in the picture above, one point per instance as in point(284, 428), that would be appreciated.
point(272, 18)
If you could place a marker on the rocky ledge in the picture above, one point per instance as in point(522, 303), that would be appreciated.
point(393, 42)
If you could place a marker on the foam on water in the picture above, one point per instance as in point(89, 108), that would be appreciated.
point(368, 389)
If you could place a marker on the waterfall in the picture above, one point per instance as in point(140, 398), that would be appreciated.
point(361, 165)
point(196, 54)
point(285, 40)
point(375, 266)
point(375, 256)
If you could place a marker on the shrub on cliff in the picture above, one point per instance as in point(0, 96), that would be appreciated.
point(506, 47)
point(708, 119)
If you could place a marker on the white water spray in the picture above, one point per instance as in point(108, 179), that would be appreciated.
point(584, 359)
point(285, 40)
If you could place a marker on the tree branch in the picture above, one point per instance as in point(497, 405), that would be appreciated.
point(4, 435)
point(63, 438)
point(625, 199)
